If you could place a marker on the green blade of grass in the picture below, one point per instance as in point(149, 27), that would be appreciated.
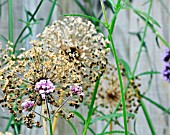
point(90, 112)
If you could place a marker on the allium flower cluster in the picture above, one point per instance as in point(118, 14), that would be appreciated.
point(166, 69)
point(65, 56)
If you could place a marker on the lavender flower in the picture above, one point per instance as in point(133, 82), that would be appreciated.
point(166, 69)
point(44, 87)
point(27, 105)
point(77, 90)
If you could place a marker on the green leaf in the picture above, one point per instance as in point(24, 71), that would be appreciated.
point(156, 104)
point(115, 132)
point(4, 117)
point(110, 116)
point(4, 39)
point(82, 7)
point(148, 73)
point(141, 13)
point(111, 3)
point(22, 21)
point(127, 68)
point(86, 16)
point(25, 37)
point(157, 42)
point(79, 115)
point(74, 129)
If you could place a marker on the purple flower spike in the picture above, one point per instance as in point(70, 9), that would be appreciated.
point(77, 90)
point(166, 57)
point(27, 105)
point(166, 69)
point(44, 87)
point(166, 72)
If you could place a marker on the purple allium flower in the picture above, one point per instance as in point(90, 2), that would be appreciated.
point(44, 87)
point(166, 69)
point(27, 105)
point(77, 90)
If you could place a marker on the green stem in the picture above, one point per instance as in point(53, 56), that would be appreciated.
point(147, 117)
point(113, 50)
point(22, 32)
point(50, 120)
point(10, 21)
point(90, 112)
point(51, 127)
point(9, 123)
point(51, 12)
point(142, 41)
point(16, 128)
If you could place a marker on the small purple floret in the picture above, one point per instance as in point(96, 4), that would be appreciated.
point(77, 90)
point(44, 87)
point(27, 105)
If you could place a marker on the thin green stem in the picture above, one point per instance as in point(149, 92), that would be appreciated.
point(155, 103)
point(16, 128)
point(90, 112)
point(113, 50)
point(51, 12)
point(147, 117)
point(50, 120)
point(9, 123)
point(142, 41)
point(22, 32)
point(51, 127)
point(10, 21)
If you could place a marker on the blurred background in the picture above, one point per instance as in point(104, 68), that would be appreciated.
point(127, 35)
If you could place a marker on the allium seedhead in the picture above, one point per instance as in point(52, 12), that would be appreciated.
point(109, 93)
point(67, 55)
